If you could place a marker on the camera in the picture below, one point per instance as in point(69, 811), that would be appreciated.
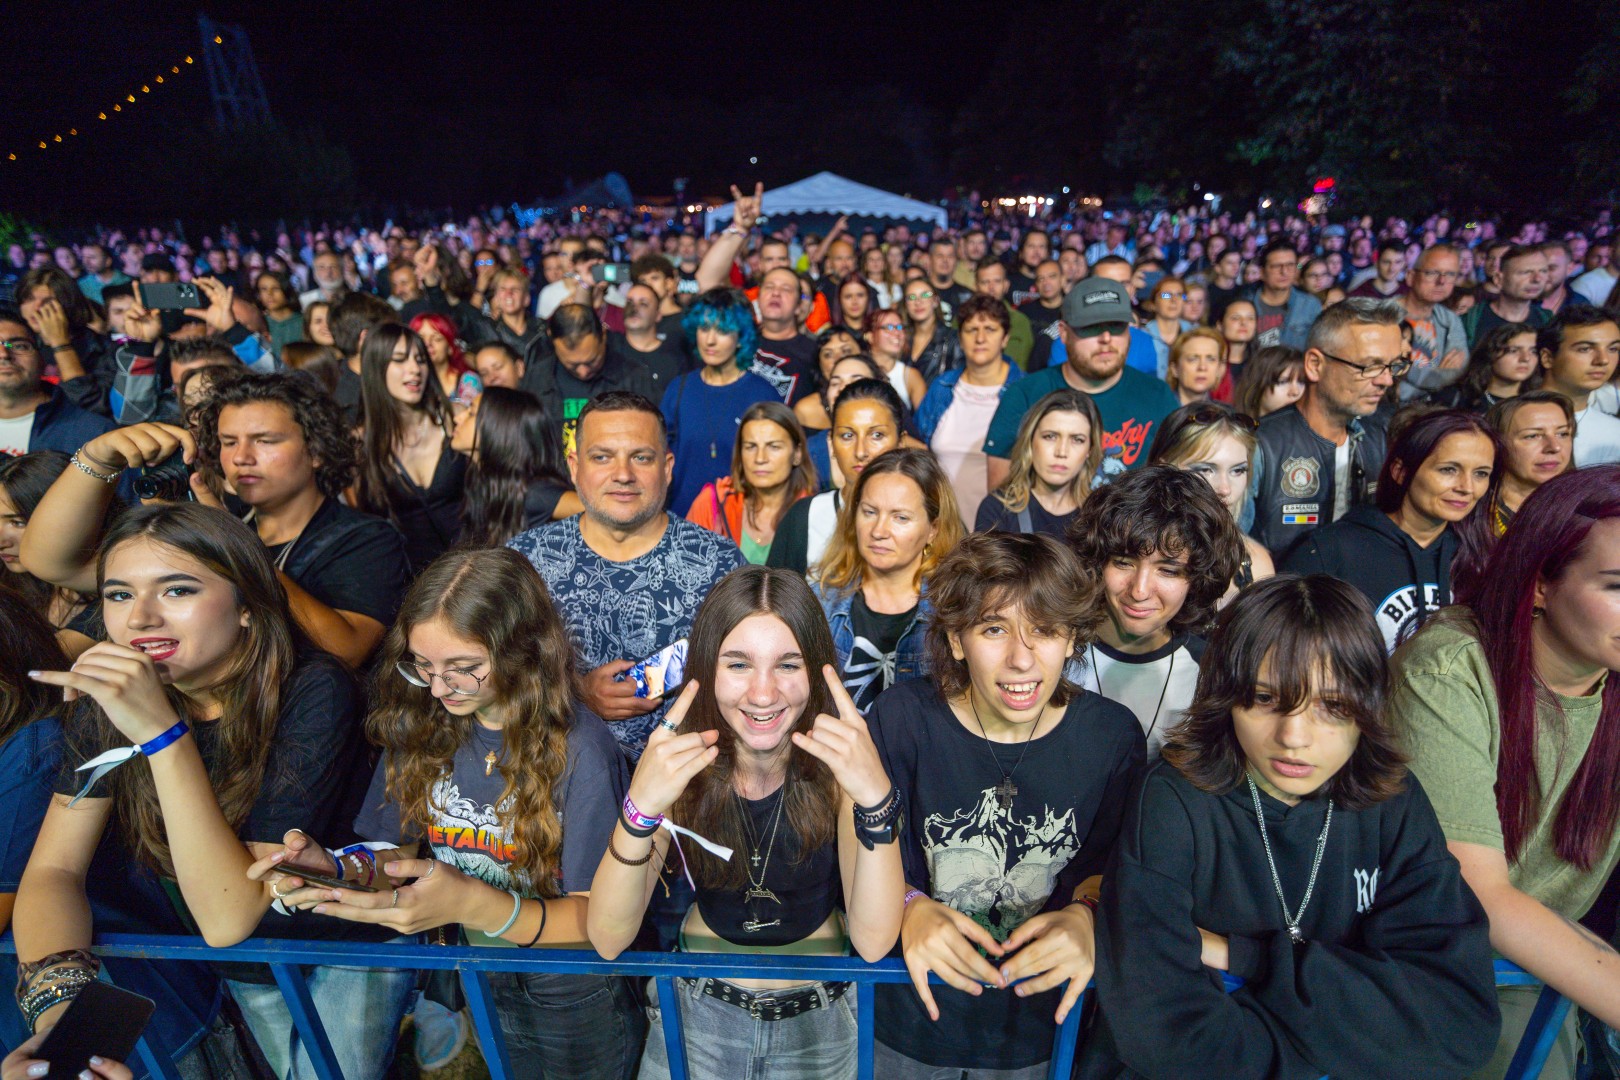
point(169, 480)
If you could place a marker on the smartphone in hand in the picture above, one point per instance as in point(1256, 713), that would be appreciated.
point(103, 1021)
point(661, 672)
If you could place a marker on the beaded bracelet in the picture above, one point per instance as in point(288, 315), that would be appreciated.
point(27, 973)
point(40, 1001)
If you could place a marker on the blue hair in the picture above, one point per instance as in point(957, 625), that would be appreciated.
point(729, 311)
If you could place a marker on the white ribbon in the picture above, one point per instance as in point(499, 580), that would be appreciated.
point(102, 764)
point(676, 832)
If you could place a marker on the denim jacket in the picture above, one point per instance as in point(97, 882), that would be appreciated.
point(909, 659)
point(1300, 313)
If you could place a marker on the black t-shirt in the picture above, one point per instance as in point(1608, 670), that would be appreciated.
point(882, 633)
point(349, 561)
point(789, 365)
point(807, 885)
point(998, 867)
point(1220, 298)
point(347, 394)
point(1020, 287)
point(993, 514)
point(540, 502)
point(1039, 315)
point(665, 362)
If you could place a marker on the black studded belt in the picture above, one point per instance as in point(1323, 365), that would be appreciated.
point(774, 1004)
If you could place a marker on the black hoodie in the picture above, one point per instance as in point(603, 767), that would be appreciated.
point(1368, 550)
point(1394, 979)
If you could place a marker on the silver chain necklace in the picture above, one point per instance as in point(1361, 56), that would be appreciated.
point(1292, 921)
point(757, 890)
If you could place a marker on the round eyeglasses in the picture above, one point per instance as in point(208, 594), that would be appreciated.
point(459, 681)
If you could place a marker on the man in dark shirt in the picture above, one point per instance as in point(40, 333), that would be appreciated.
point(349, 319)
point(941, 271)
point(580, 369)
point(1045, 308)
point(785, 357)
point(1034, 248)
point(646, 341)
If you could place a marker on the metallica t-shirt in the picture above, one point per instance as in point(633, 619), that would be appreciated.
point(999, 865)
point(1130, 409)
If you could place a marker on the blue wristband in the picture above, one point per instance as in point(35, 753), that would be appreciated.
point(147, 749)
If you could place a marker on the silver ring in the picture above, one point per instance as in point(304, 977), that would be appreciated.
point(433, 867)
point(669, 725)
point(274, 891)
point(395, 901)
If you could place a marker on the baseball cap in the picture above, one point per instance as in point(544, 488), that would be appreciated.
point(1333, 230)
point(158, 261)
point(1094, 301)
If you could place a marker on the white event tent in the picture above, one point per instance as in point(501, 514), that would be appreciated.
point(829, 195)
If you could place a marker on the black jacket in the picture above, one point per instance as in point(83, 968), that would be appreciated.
point(1394, 978)
point(1369, 551)
point(618, 373)
point(1293, 476)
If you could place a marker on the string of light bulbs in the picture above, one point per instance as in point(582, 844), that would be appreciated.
point(129, 99)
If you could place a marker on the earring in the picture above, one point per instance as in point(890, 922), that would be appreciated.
point(1537, 612)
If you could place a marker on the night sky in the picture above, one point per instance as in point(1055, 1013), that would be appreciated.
point(467, 103)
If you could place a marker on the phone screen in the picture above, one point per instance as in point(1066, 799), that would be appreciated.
point(661, 672)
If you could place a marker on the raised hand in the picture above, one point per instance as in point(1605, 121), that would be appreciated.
point(427, 265)
point(747, 209)
point(142, 323)
point(125, 683)
point(53, 323)
point(137, 445)
point(218, 314)
point(939, 939)
point(1053, 948)
point(844, 744)
point(670, 760)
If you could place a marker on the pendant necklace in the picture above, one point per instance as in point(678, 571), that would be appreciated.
point(1006, 789)
point(492, 758)
point(757, 889)
point(1291, 921)
point(1097, 674)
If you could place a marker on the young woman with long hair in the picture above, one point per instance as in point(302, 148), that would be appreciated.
point(885, 336)
point(1432, 514)
point(279, 301)
point(475, 710)
point(841, 373)
point(854, 301)
point(764, 753)
point(1501, 365)
point(1510, 707)
point(1274, 379)
point(832, 345)
point(1054, 462)
point(1282, 840)
point(23, 483)
point(1217, 442)
point(1537, 429)
point(244, 732)
point(770, 471)
point(932, 347)
point(900, 521)
point(516, 480)
point(457, 380)
point(408, 472)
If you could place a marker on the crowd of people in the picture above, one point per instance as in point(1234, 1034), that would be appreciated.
point(1128, 601)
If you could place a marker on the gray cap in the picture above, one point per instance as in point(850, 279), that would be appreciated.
point(1096, 300)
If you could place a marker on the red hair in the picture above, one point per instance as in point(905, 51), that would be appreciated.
point(1545, 536)
point(446, 328)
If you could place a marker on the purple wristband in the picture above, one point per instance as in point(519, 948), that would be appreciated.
point(637, 819)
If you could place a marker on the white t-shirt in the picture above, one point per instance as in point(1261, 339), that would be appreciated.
point(1594, 286)
point(554, 296)
point(1597, 437)
point(1341, 480)
point(1156, 686)
point(15, 433)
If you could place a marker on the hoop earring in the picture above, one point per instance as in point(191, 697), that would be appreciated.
point(1537, 612)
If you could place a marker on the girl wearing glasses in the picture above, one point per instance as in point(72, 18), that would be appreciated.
point(1433, 510)
point(886, 341)
point(485, 755)
point(932, 346)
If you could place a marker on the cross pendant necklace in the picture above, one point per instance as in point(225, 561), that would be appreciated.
point(756, 883)
point(1005, 790)
point(489, 763)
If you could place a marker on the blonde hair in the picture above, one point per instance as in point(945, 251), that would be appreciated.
point(1019, 487)
point(1185, 339)
point(842, 566)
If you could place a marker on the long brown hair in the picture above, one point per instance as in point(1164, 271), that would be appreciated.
point(248, 694)
point(30, 646)
point(802, 479)
point(495, 597)
point(384, 413)
point(843, 565)
point(811, 794)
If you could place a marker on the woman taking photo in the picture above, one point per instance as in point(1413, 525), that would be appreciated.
point(901, 520)
point(408, 472)
point(1273, 380)
point(1510, 708)
point(23, 483)
point(1433, 508)
point(458, 382)
point(1197, 364)
point(279, 302)
point(886, 342)
point(516, 480)
point(770, 471)
point(934, 348)
point(1499, 367)
point(244, 732)
point(475, 712)
point(701, 407)
point(1281, 840)
point(1217, 442)
point(1053, 464)
point(866, 422)
point(1537, 429)
point(955, 414)
point(766, 754)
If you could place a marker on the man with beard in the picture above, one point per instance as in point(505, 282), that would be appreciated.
point(35, 415)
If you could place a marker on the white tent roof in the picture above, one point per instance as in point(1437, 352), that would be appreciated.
point(829, 193)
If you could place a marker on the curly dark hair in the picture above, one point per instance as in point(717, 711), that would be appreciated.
point(1314, 629)
point(1162, 508)
point(317, 416)
point(995, 571)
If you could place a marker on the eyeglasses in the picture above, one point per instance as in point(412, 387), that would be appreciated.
point(898, 328)
point(1439, 276)
point(1290, 267)
point(484, 262)
point(919, 296)
point(1213, 412)
point(459, 681)
point(1397, 368)
point(21, 346)
point(1114, 329)
point(1171, 295)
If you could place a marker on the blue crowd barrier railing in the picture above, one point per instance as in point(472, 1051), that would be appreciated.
point(474, 964)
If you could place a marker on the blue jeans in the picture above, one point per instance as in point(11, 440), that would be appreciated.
point(723, 1041)
point(568, 1027)
point(361, 1009)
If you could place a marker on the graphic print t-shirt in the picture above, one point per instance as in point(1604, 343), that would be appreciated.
point(1268, 325)
point(1130, 410)
point(998, 867)
point(468, 831)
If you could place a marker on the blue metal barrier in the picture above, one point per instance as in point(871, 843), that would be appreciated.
point(475, 963)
